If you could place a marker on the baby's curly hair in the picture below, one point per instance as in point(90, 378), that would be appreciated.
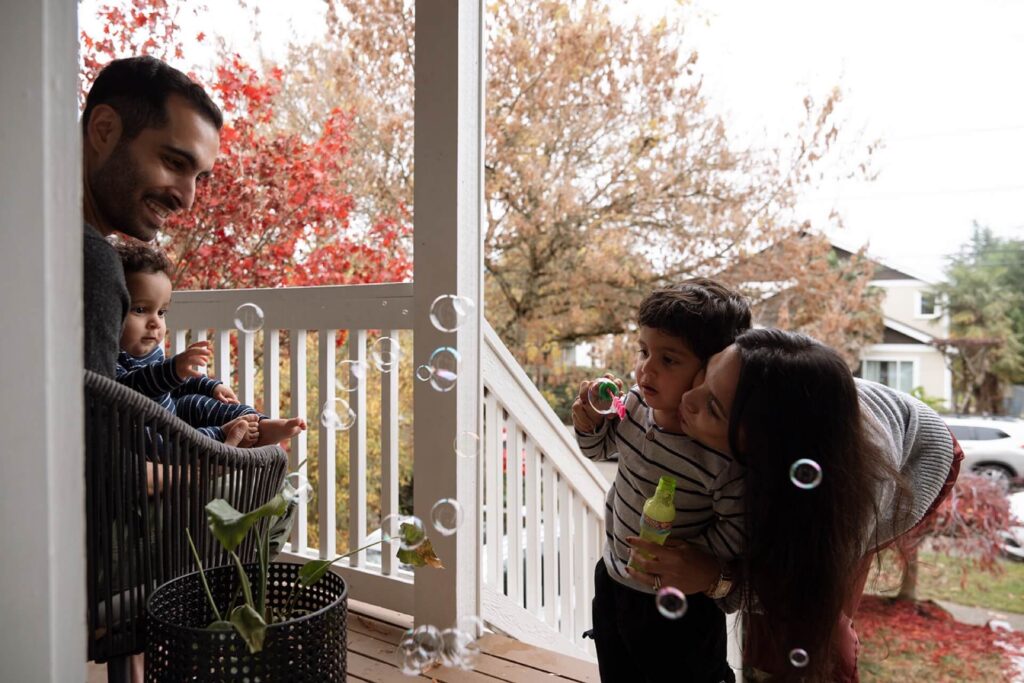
point(139, 258)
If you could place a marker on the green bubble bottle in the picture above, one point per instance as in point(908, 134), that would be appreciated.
point(659, 513)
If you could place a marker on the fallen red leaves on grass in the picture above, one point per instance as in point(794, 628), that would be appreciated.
point(926, 631)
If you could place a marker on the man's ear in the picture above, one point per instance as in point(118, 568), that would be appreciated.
point(103, 131)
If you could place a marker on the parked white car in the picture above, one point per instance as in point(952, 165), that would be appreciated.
point(993, 447)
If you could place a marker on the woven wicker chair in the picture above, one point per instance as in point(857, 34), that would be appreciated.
point(136, 537)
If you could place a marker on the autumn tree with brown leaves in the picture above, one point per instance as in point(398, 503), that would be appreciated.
point(606, 173)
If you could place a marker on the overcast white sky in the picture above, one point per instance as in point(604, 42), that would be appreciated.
point(937, 80)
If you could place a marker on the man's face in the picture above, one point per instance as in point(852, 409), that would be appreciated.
point(146, 326)
point(142, 182)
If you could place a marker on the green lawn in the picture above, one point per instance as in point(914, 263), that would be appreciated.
point(944, 578)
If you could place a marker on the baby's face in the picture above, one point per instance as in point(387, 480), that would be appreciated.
point(145, 326)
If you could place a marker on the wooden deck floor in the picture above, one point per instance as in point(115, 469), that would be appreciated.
point(373, 636)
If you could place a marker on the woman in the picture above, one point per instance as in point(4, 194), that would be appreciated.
point(885, 460)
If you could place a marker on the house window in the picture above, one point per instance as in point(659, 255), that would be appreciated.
point(927, 305)
point(898, 374)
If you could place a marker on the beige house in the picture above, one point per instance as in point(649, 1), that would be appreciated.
point(905, 358)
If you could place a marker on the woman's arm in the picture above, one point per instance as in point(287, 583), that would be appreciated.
point(683, 566)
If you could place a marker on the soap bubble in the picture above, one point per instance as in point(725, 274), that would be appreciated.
point(385, 352)
point(473, 626)
point(297, 488)
point(446, 516)
point(337, 415)
point(448, 312)
point(805, 473)
point(427, 638)
point(412, 658)
point(799, 658)
point(424, 372)
point(467, 445)
point(249, 318)
point(445, 362)
point(601, 395)
point(391, 531)
point(671, 602)
point(351, 374)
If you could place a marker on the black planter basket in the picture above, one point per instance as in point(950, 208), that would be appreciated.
point(308, 648)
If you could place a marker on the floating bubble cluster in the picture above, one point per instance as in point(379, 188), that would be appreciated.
point(805, 473)
point(249, 318)
point(424, 647)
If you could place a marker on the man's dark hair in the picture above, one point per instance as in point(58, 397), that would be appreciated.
point(138, 87)
point(704, 313)
point(139, 258)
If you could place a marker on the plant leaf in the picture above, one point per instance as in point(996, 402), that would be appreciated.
point(220, 626)
point(421, 555)
point(229, 526)
point(250, 625)
point(315, 570)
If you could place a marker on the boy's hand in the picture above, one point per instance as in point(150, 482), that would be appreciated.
point(687, 567)
point(584, 418)
point(223, 393)
point(187, 363)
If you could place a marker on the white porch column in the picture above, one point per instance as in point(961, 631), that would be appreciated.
point(42, 521)
point(448, 260)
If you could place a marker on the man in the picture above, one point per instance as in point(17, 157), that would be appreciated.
point(149, 136)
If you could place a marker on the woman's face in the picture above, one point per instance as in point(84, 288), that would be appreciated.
point(705, 409)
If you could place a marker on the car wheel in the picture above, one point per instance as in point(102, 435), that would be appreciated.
point(999, 474)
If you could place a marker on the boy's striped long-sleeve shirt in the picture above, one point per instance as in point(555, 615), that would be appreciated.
point(709, 486)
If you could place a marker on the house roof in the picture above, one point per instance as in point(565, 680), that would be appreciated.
point(906, 333)
point(886, 270)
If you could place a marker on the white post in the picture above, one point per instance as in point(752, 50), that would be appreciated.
point(42, 573)
point(448, 211)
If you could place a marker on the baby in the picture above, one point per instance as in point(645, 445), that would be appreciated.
point(176, 383)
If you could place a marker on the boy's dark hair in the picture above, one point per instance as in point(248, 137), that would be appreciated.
point(138, 87)
point(704, 313)
point(138, 258)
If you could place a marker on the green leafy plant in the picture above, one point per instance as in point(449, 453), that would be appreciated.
point(251, 617)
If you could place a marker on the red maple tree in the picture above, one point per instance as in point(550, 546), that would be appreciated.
point(277, 211)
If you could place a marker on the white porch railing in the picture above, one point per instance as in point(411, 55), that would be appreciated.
point(542, 516)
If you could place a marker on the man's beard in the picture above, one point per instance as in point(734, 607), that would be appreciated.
point(115, 188)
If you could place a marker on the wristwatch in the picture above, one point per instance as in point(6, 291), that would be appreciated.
point(722, 585)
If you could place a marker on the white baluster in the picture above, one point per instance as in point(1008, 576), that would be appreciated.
point(533, 516)
point(389, 409)
point(272, 373)
point(357, 453)
point(326, 454)
point(300, 442)
point(549, 493)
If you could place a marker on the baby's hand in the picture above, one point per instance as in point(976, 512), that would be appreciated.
point(188, 362)
point(223, 393)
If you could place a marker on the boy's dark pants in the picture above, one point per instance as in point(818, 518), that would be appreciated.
point(636, 643)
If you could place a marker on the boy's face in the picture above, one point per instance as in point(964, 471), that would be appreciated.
point(665, 369)
point(145, 327)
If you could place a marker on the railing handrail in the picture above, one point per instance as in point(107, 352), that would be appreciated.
point(370, 306)
point(539, 420)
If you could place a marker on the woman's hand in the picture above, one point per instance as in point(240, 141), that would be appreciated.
point(681, 565)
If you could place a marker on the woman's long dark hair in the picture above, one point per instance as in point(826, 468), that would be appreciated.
point(796, 398)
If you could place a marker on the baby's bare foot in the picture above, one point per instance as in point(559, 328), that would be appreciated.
point(242, 431)
point(277, 430)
